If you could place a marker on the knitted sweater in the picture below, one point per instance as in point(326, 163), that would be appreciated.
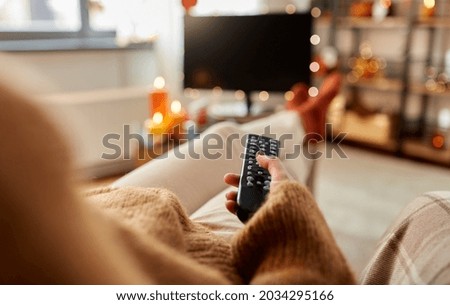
point(286, 242)
point(51, 234)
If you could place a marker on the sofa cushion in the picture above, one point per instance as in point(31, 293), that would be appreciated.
point(416, 249)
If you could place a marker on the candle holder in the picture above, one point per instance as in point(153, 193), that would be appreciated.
point(427, 8)
point(156, 129)
point(158, 97)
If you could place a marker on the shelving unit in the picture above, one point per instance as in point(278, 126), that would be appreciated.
point(394, 132)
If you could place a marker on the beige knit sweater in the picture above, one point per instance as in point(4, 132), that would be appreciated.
point(49, 233)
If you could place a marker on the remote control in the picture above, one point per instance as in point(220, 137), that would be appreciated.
point(254, 183)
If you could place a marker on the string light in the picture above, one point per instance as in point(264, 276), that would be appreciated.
point(264, 96)
point(289, 96)
point(239, 95)
point(315, 39)
point(316, 12)
point(314, 67)
point(313, 92)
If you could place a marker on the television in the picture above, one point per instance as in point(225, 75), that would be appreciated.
point(249, 53)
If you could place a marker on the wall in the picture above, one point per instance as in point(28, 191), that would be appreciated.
point(92, 94)
point(92, 70)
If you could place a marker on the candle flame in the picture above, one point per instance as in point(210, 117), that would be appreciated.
point(429, 3)
point(158, 118)
point(159, 82)
point(175, 107)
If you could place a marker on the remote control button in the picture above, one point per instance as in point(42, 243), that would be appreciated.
point(260, 172)
point(266, 188)
point(249, 173)
point(267, 182)
point(250, 179)
point(249, 167)
point(249, 184)
point(250, 161)
point(258, 183)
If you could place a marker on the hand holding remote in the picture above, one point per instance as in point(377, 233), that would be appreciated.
point(272, 164)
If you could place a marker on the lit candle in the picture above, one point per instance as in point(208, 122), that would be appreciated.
point(158, 97)
point(428, 8)
point(175, 107)
point(156, 125)
point(177, 117)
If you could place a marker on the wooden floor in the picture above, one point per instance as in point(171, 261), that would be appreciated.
point(362, 195)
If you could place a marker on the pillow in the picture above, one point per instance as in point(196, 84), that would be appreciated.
point(416, 250)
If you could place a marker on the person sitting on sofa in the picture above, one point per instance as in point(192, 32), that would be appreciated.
point(128, 233)
point(165, 223)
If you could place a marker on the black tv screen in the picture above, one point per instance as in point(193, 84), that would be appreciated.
point(261, 52)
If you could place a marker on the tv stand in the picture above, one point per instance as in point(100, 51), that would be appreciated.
point(248, 100)
point(239, 109)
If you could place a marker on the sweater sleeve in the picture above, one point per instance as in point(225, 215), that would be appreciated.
point(288, 242)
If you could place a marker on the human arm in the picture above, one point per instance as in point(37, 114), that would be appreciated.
point(288, 240)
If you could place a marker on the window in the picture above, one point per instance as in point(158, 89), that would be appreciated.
point(232, 7)
point(39, 15)
point(71, 24)
point(80, 24)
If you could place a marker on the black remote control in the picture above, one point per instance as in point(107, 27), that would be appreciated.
point(254, 183)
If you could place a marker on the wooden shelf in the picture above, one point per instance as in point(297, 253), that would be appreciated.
point(419, 149)
point(371, 23)
point(421, 89)
point(388, 22)
point(372, 130)
point(435, 22)
point(390, 133)
point(323, 21)
point(379, 84)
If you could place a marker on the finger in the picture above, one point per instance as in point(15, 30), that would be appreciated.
point(272, 164)
point(232, 179)
point(231, 206)
point(231, 195)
